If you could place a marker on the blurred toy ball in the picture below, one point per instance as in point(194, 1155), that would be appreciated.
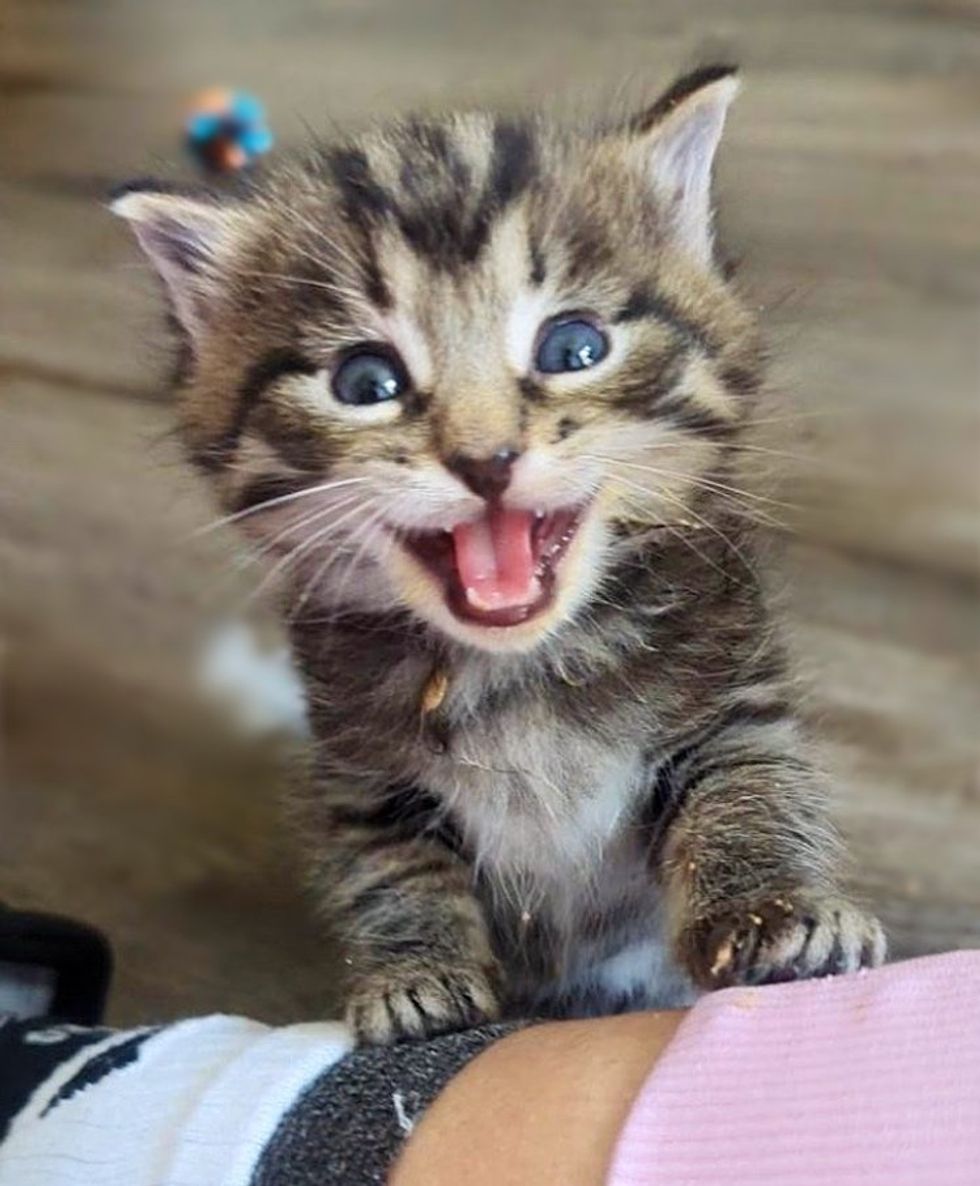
point(226, 129)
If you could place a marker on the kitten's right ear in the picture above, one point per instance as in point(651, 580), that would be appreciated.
point(185, 237)
point(676, 140)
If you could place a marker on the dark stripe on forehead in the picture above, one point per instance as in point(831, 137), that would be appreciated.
point(257, 379)
point(643, 303)
point(430, 209)
point(589, 250)
point(437, 212)
point(428, 136)
point(434, 208)
point(363, 197)
point(538, 267)
point(513, 165)
point(432, 141)
point(364, 204)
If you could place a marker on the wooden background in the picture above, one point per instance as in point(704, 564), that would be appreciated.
point(851, 177)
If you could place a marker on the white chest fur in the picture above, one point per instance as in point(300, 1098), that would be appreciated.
point(547, 810)
point(543, 806)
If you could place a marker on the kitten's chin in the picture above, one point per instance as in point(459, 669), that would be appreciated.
point(558, 586)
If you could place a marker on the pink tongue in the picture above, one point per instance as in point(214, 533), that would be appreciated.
point(495, 559)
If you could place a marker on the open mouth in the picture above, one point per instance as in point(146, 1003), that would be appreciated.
point(498, 570)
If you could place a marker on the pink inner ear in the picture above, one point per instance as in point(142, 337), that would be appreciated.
point(174, 243)
point(682, 153)
point(179, 236)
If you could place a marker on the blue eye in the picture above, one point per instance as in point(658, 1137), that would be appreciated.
point(369, 379)
point(570, 344)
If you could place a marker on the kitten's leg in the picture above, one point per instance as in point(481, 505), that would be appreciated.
point(416, 941)
point(749, 860)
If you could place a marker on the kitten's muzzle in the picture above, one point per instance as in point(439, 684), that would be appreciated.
point(500, 599)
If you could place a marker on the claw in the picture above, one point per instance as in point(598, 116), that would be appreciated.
point(723, 960)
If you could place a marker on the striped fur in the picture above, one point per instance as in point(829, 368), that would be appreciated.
point(611, 805)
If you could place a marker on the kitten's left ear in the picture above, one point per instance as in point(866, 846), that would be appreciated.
point(185, 237)
point(676, 140)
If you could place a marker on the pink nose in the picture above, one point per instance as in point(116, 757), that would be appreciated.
point(487, 476)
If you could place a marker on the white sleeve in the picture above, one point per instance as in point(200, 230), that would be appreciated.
point(189, 1104)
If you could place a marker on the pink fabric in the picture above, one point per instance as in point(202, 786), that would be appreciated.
point(864, 1080)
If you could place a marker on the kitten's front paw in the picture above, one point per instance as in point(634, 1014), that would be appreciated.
point(783, 937)
point(419, 1002)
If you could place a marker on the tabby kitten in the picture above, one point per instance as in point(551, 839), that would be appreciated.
point(475, 384)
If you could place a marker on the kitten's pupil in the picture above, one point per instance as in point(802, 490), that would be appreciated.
point(571, 345)
point(368, 379)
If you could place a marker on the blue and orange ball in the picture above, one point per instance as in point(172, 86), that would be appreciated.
point(226, 129)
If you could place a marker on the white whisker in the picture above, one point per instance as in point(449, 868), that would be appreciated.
point(269, 545)
point(679, 535)
point(306, 492)
point(709, 483)
point(730, 493)
point(365, 531)
point(301, 549)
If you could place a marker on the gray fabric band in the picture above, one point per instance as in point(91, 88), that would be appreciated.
point(348, 1127)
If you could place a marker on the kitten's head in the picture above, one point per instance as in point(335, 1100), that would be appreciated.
point(459, 365)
